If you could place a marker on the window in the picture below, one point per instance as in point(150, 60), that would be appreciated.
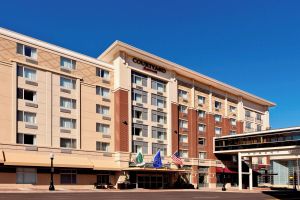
point(68, 143)
point(26, 175)
point(140, 113)
point(202, 155)
point(67, 103)
point(138, 146)
point(258, 116)
point(259, 128)
point(139, 96)
point(201, 128)
point(233, 122)
point(161, 147)
point(102, 146)
point(27, 51)
point(201, 100)
point(183, 109)
point(218, 131)
point(248, 125)
point(27, 117)
point(67, 83)
point(247, 113)
point(183, 153)
point(103, 179)
point(201, 141)
point(102, 128)
point(102, 91)
point(158, 85)
point(232, 132)
point(26, 95)
point(201, 113)
point(102, 73)
point(183, 94)
point(26, 139)
point(140, 130)
point(232, 109)
point(68, 176)
point(27, 73)
point(159, 133)
point(183, 138)
point(218, 105)
point(158, 101)
point(67, 123)
point(183, 124)
point(139, 79)
point(218, 118)
point(159, 117)
point(67, 63)
point(102, 110)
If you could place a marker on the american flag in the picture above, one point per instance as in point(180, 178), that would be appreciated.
point(176, 159)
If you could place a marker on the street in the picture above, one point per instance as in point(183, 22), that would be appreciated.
point(153, 195)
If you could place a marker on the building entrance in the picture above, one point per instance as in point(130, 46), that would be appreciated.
point(151, 181)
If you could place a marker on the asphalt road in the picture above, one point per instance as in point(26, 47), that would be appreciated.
point(166, 195)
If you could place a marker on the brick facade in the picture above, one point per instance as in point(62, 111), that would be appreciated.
point(175, 131)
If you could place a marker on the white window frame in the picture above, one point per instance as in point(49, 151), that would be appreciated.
point(103, 128)
point(201, 100)
point(183, 94)
point(103, 146)
point(33, 53)
point(72, 63)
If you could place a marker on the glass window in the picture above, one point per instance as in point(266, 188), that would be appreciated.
point(183, 124)
point(183, 153)
point(26, 175)
point(247, 113)
point(201, 141)
point(233, 122)
point(201, 100)
point(248, 125)
point(201, 113)
point(67, 103)
point(183, 138)
point(102, 128)
point(102, 91)
point(102, 73)
point(218, 131)
point(259, 128)
point(102, 146)
point(67, 63)
point(202, 155)
point(158, 85)
point(26, 139)
point(67, 83)
point(68, 143)
point(201, 127)
point(183, 94)
point(102, 110)
point(27, 117)
point(138, 80)
point(183, 109)
point(232, 109)
point(232, 133)
point(218, 118)
point(258, 116)
point(27, 51)
point(67, 123)
point(68, 176)
point(218, 105)
point(26, 95)
point(27, 73)
point(137, 97)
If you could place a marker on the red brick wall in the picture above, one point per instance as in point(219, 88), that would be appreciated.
point(239, 127)
point(192, 133)
point(121, 116)
point(210, 133)
point(175, 131)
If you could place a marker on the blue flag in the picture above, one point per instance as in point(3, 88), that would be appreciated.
point(157, 160)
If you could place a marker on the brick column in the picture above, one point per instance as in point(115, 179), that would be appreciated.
point(174, 130)
point(210, 133)
point(195, 176)
point(212, 180)
point(239, 127)
point(121, 118)
point(192, 133)
point(226, 126)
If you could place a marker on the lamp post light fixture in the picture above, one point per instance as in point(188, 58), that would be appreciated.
point(223, 188)
point(51, 186)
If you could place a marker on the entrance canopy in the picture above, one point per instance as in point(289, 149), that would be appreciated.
point(226, 170)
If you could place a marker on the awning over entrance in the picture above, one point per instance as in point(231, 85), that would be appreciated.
point(43, 160)
point(105, 165)
point(156, 170)
point(226, 170)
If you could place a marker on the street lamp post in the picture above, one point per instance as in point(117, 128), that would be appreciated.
point(223, 188)
point(51, 186)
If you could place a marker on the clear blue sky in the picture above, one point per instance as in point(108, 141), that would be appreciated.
point(253, 45)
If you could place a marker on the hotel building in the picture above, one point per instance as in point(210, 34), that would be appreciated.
point(95, 114)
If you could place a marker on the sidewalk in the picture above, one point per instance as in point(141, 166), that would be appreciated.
point(25, 188)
